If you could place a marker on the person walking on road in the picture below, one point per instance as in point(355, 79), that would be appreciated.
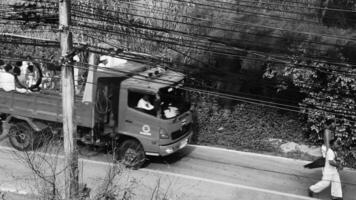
point(330, 174)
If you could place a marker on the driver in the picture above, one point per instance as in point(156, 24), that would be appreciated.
point(144, 103)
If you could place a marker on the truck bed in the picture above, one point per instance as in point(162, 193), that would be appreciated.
point(42, 106)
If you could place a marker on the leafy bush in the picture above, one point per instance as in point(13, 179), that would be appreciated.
point(330, 95)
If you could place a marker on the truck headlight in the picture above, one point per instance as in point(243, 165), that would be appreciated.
point(169, 150)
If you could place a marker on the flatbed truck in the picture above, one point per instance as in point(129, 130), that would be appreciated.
point(107, 113)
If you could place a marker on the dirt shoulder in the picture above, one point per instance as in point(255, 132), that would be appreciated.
point(255, 129)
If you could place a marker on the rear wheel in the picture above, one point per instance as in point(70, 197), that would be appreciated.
point(131, 154)
point(21, 136)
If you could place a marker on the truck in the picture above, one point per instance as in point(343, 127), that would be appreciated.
point(106, 114)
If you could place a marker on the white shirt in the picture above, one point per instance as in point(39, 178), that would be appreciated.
point(329, 169)
point(144, 104)
point(171, 112)
point(7, 81)
point(323, 150)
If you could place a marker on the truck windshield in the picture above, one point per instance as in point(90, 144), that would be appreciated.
point(173, 102)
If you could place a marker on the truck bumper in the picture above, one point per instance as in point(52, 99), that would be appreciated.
point(166, 150)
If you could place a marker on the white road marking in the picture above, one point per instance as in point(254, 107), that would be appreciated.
point(226, 184)
point(206, 180)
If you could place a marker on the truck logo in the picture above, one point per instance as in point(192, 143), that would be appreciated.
point(146, 130)
point(184, 122)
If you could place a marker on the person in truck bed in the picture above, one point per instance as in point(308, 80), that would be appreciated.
point(7, 80)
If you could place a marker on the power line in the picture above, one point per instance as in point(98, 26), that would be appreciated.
point(258, 2)
point(217, 94)
point(185, 23)
point(141, 27)
point(166, 12)
point(224, 29)
point(219, 42)
point(242, 50)
point(211, 88)
point(191, 24)
point(278, 60)
point(263, 3)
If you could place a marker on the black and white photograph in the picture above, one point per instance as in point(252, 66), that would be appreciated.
point(177, 99)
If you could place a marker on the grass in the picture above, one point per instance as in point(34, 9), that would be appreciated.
point(247, 127)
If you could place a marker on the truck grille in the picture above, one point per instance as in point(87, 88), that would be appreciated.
point(185, 129)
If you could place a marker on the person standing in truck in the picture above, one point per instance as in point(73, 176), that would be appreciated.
point(7, 80)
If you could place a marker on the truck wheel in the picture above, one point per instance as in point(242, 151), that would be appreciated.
point(131, 154)
point(21, 136)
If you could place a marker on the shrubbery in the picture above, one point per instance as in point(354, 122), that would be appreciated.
point(246, 126)
point(257, 128)
point(330, 91)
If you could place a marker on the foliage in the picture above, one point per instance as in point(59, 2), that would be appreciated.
point(330, 91)
point(246, 126)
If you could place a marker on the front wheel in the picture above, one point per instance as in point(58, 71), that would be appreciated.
point(21, 136)
point(131, 154)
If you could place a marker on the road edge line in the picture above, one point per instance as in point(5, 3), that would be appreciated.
point(207, 180)
point(227, 184)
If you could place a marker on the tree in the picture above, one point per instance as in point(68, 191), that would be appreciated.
point(330, 91)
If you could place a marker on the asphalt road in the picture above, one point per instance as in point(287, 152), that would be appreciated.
point(193, 173)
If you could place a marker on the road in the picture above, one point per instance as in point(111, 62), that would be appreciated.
point(196, 173)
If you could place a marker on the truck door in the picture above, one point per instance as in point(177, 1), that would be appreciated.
point(139, 122)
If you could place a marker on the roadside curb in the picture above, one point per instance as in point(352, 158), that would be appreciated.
point(225, 150)
point(256, 154)
point(247, 153)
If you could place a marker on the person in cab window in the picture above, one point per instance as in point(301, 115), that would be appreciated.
point(170, 111)
point(144, 103)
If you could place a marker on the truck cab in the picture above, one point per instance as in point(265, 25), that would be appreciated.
point(159, 131)
point(160, 134)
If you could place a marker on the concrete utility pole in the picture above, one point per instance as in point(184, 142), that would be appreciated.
point(69, 127)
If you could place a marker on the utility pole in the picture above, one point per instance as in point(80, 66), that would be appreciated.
point(69, 127)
